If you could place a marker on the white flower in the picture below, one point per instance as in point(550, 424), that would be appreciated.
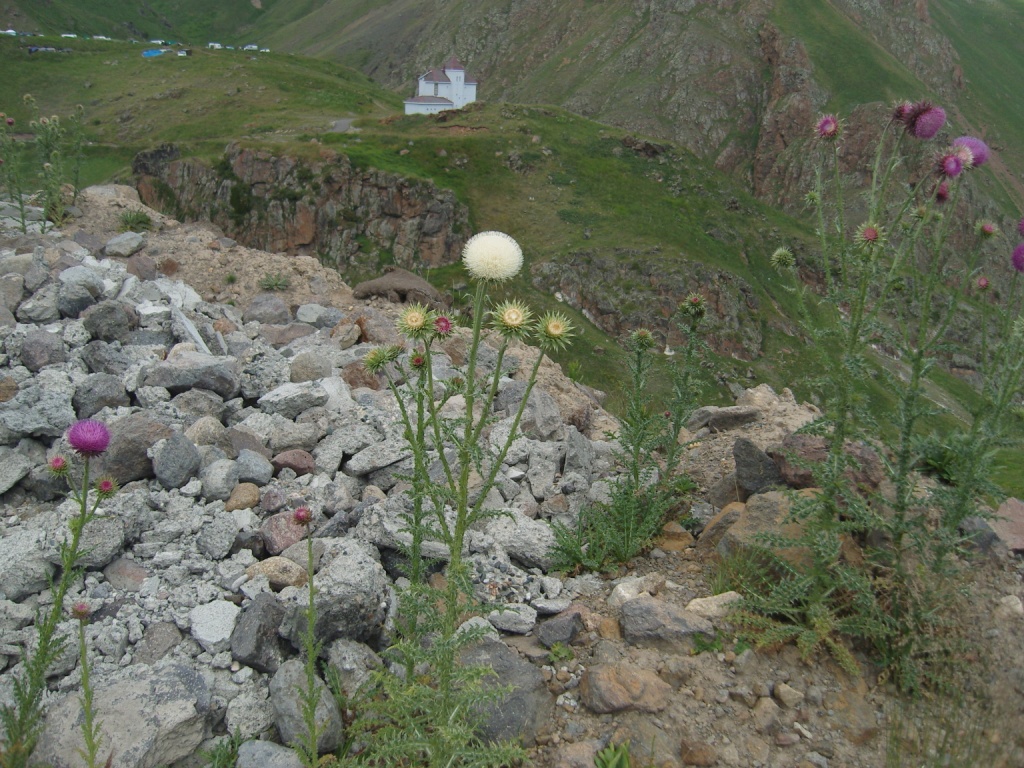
point(492, 256)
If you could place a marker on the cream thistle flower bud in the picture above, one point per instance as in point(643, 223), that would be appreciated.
point(782, 259)
point(415, 321)
point(554, 331)
point(641, 339)
point(492, 256)
point(375, 361)
point(511, 318)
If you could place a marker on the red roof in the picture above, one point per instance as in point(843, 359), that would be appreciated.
point(435, 76)
point(453, 63)
point(429, 100)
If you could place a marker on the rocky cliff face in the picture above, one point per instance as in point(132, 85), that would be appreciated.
point(347, 217)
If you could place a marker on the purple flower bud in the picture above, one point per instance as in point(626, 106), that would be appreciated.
point(827, 127)
point(302, 516)
point(1018, 258)
point(979, 149)
point(89, 437)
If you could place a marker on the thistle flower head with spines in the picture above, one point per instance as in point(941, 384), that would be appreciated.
point(58, 466)
point(641, 339)
point(782, 259)
point(986, 229)
point(377, 358)
point(924, 120)
point(512, 318)
point(979, 149)
point(415, 321)
point(492, 256)
point(443, 326)
point(89, 437)
point(554, 331)
point(694, 306)
point(870, 235)
point(828, 127)
point(106, 487)
point(1017, 258)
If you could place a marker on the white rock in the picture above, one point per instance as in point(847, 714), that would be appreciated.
point(213, 623)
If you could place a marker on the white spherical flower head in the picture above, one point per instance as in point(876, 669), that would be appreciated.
point(492, 256)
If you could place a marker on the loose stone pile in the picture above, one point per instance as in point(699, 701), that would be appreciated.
point(223, 421)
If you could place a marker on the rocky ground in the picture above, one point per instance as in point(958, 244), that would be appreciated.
point(230, 406)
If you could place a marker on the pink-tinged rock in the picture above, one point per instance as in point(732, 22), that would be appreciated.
point(1009, 524)
point(799, 453)
point(126, 574)
point(280, 532)
point(298, 460)
point(280, 571)
point(615, 687)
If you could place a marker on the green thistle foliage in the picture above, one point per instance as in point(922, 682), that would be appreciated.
point(276, 281)
point(613, 756)
point(134, 220)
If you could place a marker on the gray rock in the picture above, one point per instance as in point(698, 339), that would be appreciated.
point(124, 245)
point(579, 453)
point(309, 366)
point(216, 538)
point(721, 419)
point(516, 618)
point(150, 716)
point(353, 662)
point(41, 348)
point(289, 400)
point(24, 569)
point(193, 404)
point(267, 308)
point(351, 598)
point(219, 479)
point(102, 541)
point(131, 438)
point(42, 407)
point(104, 357)
point(318, 315)
point(73, 300)
point(12, 290)
point(561, 629)
point(266, 754)
point(649, 622)
point(158, 640)
point(286, 689)
point(41, 307)
point(213, 623)
point(524, 539)
point(377, 456)
point(253, 468)
point(756, 471)
point(525, 708)
point(176, 460)
point(99, 391)
point(187, 370)
point(250, 713)
point(545, 463)
point(541, 418)
point(110, 321)
point(13, 467)
point(255, 641)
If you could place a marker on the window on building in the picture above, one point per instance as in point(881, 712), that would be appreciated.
point(435, 89)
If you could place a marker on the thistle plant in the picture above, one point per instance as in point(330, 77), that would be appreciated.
point(12, 153)
point(22, 719)
point(894, 278)
point(309, 697)
point(430, 708)
point(90, 726)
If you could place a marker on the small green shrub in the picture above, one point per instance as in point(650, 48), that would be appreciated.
point(225, 754)
point(134, 220)
point(560, 652)
point(230, 278)
point(275, 281)
point(613, 756)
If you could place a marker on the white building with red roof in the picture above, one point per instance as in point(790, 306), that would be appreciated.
point(449, 87)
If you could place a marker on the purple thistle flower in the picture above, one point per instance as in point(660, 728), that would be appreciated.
point(925, 120)
point(1018, 258)
point(827, 127)
point(89, 437)
point(950, 165)
point(942, 193)
point(979, 149)
point(901, 111)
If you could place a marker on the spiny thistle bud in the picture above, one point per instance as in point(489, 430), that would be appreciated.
point(641, 339)
point(782, 259)
point(58, 465)
point(418, 361)
point(415, 321)
point(443, 325)
point(942, 193)
point(511, 318)
point(81, 611)
point(986, 229)
point(302, 516)
point(951, 164)
point(375, 361)
point(106, 487)
point(812, 198)
point(870, 235)
point(554, 331)
point(694, 306)
point(900, 111)
point(983, 283)
point(828, 127)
